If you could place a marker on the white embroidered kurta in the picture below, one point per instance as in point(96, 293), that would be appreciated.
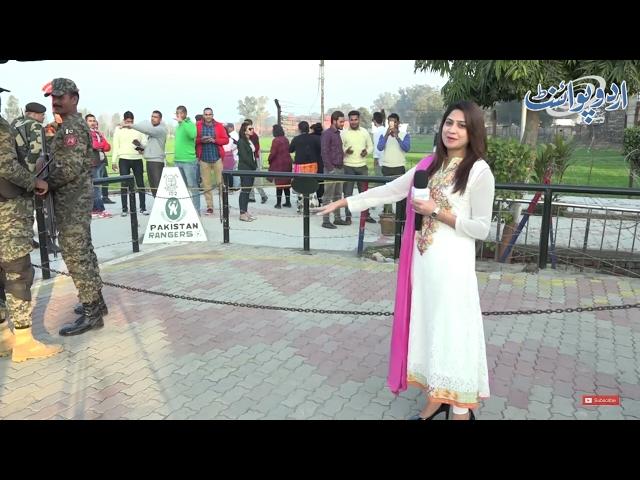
point(446, 335)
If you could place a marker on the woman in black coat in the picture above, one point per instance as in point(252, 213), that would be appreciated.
point(246, 161)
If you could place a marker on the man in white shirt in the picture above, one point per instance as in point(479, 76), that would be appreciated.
point(378, 131)
point(128, 145)
point(395, 144)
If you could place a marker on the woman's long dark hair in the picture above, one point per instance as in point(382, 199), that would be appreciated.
point(278, 131)
point(476, 149)
point(243, 130)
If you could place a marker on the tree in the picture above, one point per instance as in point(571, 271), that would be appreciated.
point(344, 108)
point(252, 107)
point(247, 108)
point(262, 114)
point(386, 101)
point(420, 105)
point(255, 109)
point(12, 109)
point(489, 81)
point(104, 125)
point(115, 121)
point(365, 117)
point(508, 113)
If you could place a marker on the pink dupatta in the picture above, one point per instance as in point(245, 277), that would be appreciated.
point(397, 379)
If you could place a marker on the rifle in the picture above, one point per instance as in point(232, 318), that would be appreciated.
point(48, 200)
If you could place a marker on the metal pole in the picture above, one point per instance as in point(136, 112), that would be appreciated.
point(363, 218)
point(361, 232)
point(279, 110)
point(322, 93)
point(42, 238)
point(523, 120)
point(225, 212)
point(134, 215)
point(306, 222)
point(398, 233)
point(544, 233)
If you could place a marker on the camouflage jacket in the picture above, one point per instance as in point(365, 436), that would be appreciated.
point(72, 153)
point(28, 140)
point(11, 169)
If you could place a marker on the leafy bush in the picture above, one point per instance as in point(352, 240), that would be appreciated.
point(558, 155)
point(510, 162)
point(631, 145)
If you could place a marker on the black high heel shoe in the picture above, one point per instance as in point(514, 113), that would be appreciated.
point(445, 407)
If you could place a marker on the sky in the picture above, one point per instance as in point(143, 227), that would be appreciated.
point(141, 86)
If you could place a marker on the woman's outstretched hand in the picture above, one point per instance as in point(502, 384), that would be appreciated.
point(327, 209)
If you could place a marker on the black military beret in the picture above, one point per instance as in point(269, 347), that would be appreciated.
point(35, 107)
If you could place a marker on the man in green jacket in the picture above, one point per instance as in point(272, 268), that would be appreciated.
point(185, 157)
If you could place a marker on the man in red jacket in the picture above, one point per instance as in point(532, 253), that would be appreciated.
point(98, 166)
point(210, 140)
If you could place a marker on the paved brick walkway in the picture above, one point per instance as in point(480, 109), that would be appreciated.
point(163, 358)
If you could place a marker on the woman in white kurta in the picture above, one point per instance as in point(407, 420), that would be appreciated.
point(446, 354)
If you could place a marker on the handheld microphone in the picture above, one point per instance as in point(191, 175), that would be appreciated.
point(421, 191)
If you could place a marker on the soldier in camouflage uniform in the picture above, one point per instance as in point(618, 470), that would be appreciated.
point(17, 185)
point(28, 129)
point(70, 181)
point(28, 134)
point(3, 299)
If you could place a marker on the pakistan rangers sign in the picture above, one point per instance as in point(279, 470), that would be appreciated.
point(173, 217)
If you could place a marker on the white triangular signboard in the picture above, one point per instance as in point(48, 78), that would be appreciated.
point(173, 217)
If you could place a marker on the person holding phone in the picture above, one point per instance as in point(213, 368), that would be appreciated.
point(394, 144)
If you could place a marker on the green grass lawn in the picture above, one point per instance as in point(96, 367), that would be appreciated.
point(603, 168)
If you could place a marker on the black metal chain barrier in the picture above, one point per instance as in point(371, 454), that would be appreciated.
point(345, 312)
point(201, 191)
point(232, 304)
point(112, 244)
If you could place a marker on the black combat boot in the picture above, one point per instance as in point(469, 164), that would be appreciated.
point(79, 309)
point(91, 319)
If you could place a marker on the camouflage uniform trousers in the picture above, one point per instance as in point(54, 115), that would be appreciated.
point(3, 298)
point(73, 217)
point(16, 223)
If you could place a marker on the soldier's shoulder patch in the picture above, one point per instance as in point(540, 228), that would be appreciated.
point(70, 140)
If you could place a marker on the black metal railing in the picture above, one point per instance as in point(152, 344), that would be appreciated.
point(547, 190)
point(306, 210)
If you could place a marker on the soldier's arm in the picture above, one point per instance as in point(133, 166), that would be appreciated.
point(10, 169)
point(35, 145)
point(70, 158)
